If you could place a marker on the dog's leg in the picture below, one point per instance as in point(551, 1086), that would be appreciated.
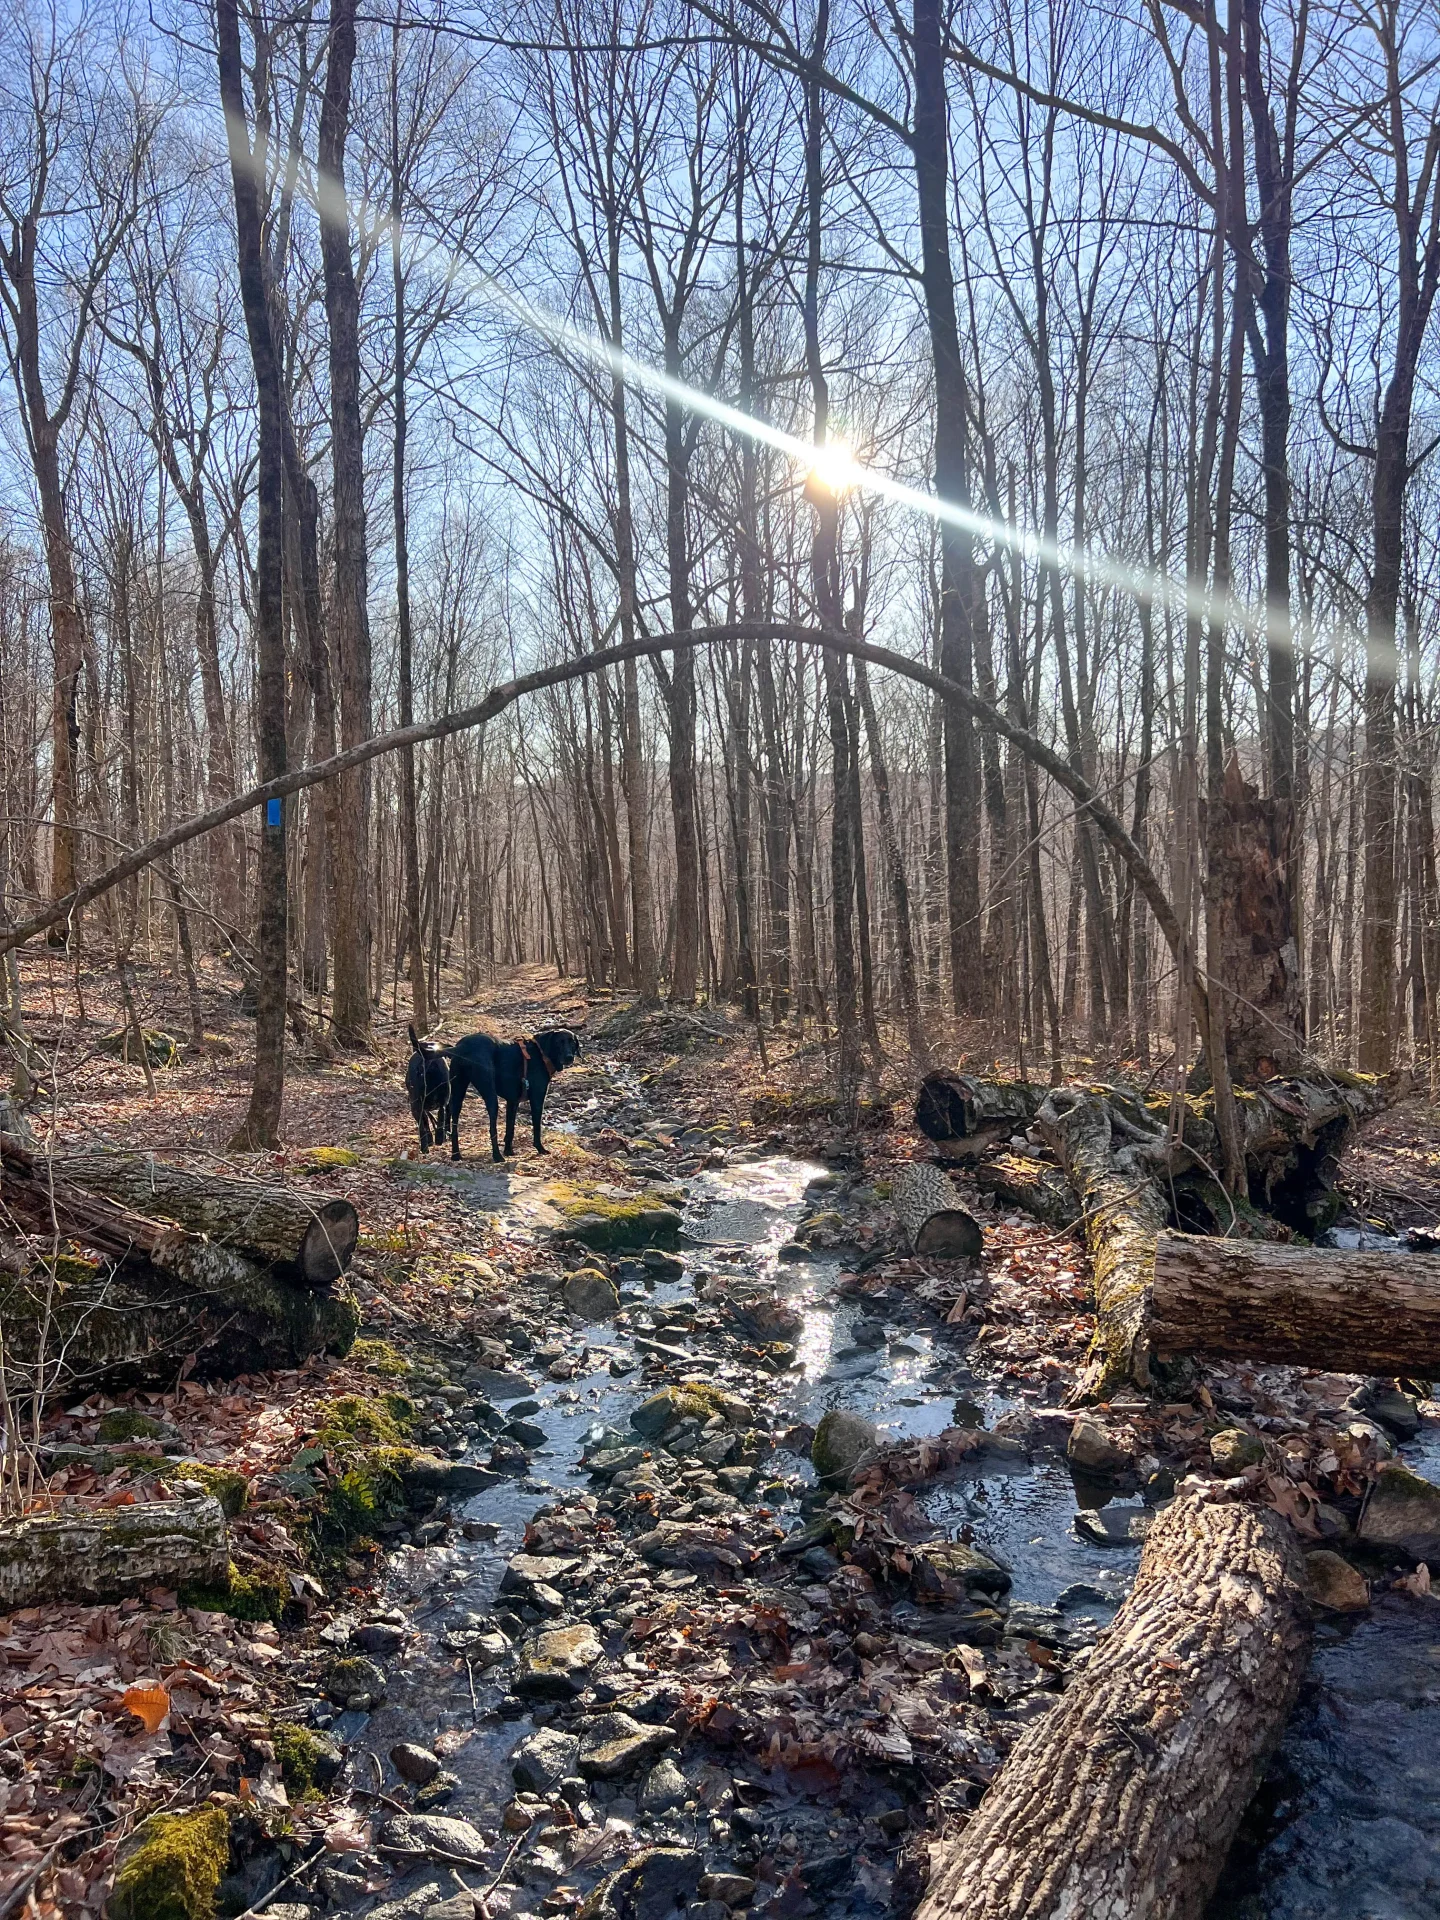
point(510, 1106)
point(457, 1101)
point(492, 1107)
point(425, 1140)
point(537, 1109)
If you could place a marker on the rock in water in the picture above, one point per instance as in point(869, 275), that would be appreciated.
point(649, 1887)
point(1092, 1450)
point(554, 1665)
point(435, 1833)
point(1403, 1511)
point(416, 1764)
point(1384, 1401)
point(614, 1746)
point(1332, 1582)
point(839, 1441)
point(544, 1759)
point(591, 1295)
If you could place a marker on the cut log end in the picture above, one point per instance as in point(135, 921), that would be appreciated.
point(329, 1243)
point(931, 1215)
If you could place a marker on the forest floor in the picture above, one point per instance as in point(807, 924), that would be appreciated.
point(632, 1652)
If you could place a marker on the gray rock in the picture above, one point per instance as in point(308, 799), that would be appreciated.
point(524, 1570)
point(648, 1887)
point(352, 1679)
point(1092, 1450)
point(1396, 1411)
point(1114, 1526)
point(1403, 1512)
point(428, 1473)
point(378, 1636)
point(460, 1906)
point(414, 1905)
point(441, 1789)
point(840, 1439)
point(1234, 1450)
point(663, 1787)
point(543, 1759)
point(436, 1833)
point(556, 1664)
point(613, 1746)
point(500, 1386)
point(734, 1889)
point(591, 1296)
point(528, 1432)
point(416, 1764)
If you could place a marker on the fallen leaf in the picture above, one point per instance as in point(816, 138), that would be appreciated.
point(150, 1704)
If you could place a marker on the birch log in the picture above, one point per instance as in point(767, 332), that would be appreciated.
point(104, 1553)
point(932, 1216)
point(1122, 1802)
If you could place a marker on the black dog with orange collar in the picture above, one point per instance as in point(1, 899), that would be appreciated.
point(508, 1070)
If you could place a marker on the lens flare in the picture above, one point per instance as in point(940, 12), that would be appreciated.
point(833, 468)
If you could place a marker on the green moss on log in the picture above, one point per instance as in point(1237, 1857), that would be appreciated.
point(175, 1867)
point(261, 1594)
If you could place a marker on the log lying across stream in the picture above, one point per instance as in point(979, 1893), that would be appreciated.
point(148, 1267)
point(1311, 1306)
point(1124, 1799)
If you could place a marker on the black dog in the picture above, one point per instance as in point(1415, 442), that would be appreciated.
point(507, 1070)
point(427, 1081)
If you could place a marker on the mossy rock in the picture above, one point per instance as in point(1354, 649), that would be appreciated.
point(691, 1400)
point(128, 1423)
point(161, 1049)
point(307, 1761)
point(355, 1422)
point(326, 1159)
point(378, 1356)
point(261, 1595)
point(175, 1867)
point(230, 1488)
point(611, 1226)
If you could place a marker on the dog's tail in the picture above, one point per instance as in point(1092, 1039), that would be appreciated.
point(414, 1039)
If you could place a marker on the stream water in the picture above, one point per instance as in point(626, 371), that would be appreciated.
point(1348, 1823)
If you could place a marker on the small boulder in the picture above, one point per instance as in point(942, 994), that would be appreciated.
point(434, 1833)
point(378, 1636)
point(358, 1684)
point(526, 1570)
point(734, 1889)
point(416, 1764)
point(671, 1404)
point(1382, 1400)
point(614, 1746)
point(663, 1787)
point(555, 1664)
point(1403, 1512)
point(1234, 1450)
point(648, 1887)
point(499, 1385)
point(1332, 1582)
point(543, 1759)
point(591, 1295)
point(840, 1439)
point(438, 1793)
point(1091, 1449)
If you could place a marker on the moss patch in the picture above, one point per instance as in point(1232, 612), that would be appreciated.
point(175, 1867)
point(378, 1356)
point(300, 1755)
point(127, 1423)
point(262, 1594)
point(323, 1159)
point(161, 1049)
point(608, 1226)
point(352, 1423)
point(231, 1489)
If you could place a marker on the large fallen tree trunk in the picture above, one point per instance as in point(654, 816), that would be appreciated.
point(964, 1116)
point(1347, 1312)
point(932, 1216)
point(104, 1553)
point(306, 1240)
point(1124, 1799)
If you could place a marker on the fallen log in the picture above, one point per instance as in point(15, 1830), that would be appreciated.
point(1310, 1306)
point(932, 1216)
point(1031, 1185)
point(1124, 1799)
point(303, 1239)
point(964, 1115)
point(106, 1553)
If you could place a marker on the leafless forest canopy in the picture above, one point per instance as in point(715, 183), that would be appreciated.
point(360, 360)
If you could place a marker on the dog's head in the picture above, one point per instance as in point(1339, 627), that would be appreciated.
point(559, 1045)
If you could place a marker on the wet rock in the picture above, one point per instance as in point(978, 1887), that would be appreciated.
point(660, 1265)
point(734, 1889)
point(712, 1551)
point(840, 1439)
point(529, 1433)
point(509, 1457)
point(429, 1473)
point(1403, 1511)
point(353, 1683)
point(1092, 1450)
point(500, 1385)
point(441, 1789)
point(542, 1760)
point(612, 1460)
point(670, 1404)
point(1332, 1582)
point(952, 1560)
point(649, 1887)
point(416, 1764)
point(662, 1788)
point(613, 1746)
point(555, 1664)
point(435, 1833)
point(736, 1481)
point(1232, 1451)
point(1114, 1526)
point(591, 1295)
point(1382, 1400)
point(527, 1570)
point(378, 1636)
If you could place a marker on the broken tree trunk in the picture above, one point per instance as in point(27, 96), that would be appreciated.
point(303, 1240)
point(1124, 1799)
point(105, 1553)
point(932, 1216)
point(1312, 1307)
point(964, 1116)
point(1113, 1172)
point(1032, 1185)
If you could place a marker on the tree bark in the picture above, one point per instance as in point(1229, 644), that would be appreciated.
point(965, 1116)
point(932, 1216)
point(261, 1125)
point(349, 611)
point(1307, 1306)
point(89, 1554)
point(1124, 1799)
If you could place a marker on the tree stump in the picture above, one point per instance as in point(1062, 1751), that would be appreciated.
point(932, 1216)
point(105, 1553)
point(1124, 1799)
point(1309, 1306)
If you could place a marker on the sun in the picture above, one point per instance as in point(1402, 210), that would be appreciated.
point(832, 468)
